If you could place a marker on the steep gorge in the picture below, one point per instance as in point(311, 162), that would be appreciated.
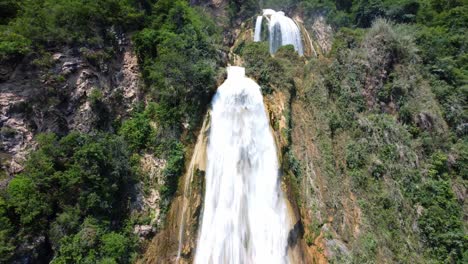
point(371, 158)
point(334, 223)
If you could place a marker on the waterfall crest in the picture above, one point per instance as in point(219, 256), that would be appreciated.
point(244, 215)
point(282, 31)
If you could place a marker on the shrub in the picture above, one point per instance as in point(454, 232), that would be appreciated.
point(114, 245)
point(292, 164)
point(35, 24)
point(95, 96)
point(66, 180)
point(95, 243)
point(13, 45)
point(71, 20)
point(367, 249)
point(175, 166)
point(268, 70)
point(441, 224)
point(138, 131)
point(178, 54)
point(6, 233)
point(460, 150)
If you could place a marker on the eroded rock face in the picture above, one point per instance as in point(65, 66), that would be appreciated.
point(323, 34)
point(147, 195)
point(337, 250)
point(14, 132)
point(58, 97)
point(144, 231)
point(182, 219)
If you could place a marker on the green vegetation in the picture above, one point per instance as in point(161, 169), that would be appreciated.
point(441, 223)
point(387, 110)
point(384, 166)
point(138, 130)
point(12, 45)
point(266, 70)
point(6, 231)
point(177, 52)
point(74, 192)
point(438, 30)
point(34, 24)
point(396, 129)
point(388, 114)
point(142, 136)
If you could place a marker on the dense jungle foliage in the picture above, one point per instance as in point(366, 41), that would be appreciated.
point(389, 104)
point(393, 88)
point(427, 59)
point(75, 191)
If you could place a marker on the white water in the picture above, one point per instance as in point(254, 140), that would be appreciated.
point(282, 31)
point(268, 12)
point(258, 29)
point(244, 216)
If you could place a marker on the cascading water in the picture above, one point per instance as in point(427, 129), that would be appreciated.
point(245, 216)
point(282, 31)
point(258, 29)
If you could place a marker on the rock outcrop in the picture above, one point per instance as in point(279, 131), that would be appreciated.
point(66, 89)
point(176, 239)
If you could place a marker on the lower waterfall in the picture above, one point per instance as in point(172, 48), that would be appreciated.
point(245, 217)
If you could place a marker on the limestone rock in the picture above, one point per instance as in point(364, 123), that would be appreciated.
point(323, 33)
point(143, 231)
point(56, 99)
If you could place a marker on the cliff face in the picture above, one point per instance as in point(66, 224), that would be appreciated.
point(287, 120)
point(369, 163)
point(176, 240)
point(68, 88)
point(351, 121)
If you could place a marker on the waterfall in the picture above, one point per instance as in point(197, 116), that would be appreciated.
point(282, 31)
point(258, 29)
point(245, 216)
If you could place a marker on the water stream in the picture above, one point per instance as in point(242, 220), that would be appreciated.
point(244, 216)
point(258, 29)
point(282, 31)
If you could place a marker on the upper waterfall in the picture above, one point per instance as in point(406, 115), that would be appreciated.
point(282, 31)
point(245, 216)
point(258, 29)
